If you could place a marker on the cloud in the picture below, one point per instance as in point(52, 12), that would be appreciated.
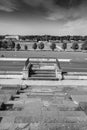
point(42, 7)
point(8, 5)
point(58, 10)
point(60, 3)
point(6, 9)
point(68, 3)
point(63, 16)
point(61, 11)
point(33, 3)
point(52, 16)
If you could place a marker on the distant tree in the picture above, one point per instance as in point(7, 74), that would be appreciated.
point(75, 46)
point(41, 45)
point(18, 47)
point(64, 46)
point(53, 46)
point(26, 47)
point(8, 44)
point(22, 38)
point(38, 38)
point(0, 43)
point(53, 38)
point(34, 46)
point(2, 55)
point(84, 46)
point(2, 37)
point(5, 44)
point(68, 37)
point(12, 44)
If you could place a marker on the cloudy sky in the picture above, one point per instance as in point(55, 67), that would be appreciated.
point(55, 17)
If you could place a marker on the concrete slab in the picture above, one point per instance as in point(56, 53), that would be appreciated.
point(79, 98)
point(56, 83)
point(11, 81)
point(33, 59)
point(10, 76)
point(65, 83)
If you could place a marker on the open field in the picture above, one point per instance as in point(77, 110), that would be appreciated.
point(11, 65)
point(74, 66)
point(46, 54)
point(71, 66)
point(66, 66)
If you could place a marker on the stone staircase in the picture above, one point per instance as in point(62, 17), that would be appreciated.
point(42, 70)
point(43, 73)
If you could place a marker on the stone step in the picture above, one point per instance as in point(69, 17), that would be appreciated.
point(42, 75)
point(44, 71)
point(77, 73)
point(43, 78)
point(75, 77)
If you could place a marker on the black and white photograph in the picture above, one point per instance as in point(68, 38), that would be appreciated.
point(43, 64)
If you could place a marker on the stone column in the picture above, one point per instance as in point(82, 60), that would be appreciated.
point(26, 69)
point(58, 70)
point(25, 73)
point(58, 73)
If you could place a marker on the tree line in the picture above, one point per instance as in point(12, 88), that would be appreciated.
point(49, 37)
point(75, 46)
point(11, 45)
point(7, 44)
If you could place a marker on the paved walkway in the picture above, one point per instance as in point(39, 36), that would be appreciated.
point(42, 83)
point(6, 76)
point(34, 59)
point(11, 81)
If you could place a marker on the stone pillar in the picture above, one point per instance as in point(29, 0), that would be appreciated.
point(26, 69)
point(58, 70)
point(58, 73)
point(25, 73)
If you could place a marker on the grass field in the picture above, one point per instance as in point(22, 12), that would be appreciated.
point(11, 65)
point(46, 54)
point(72, 66)
point(78, 63)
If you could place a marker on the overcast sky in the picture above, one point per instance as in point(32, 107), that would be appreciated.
point(55, 17)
